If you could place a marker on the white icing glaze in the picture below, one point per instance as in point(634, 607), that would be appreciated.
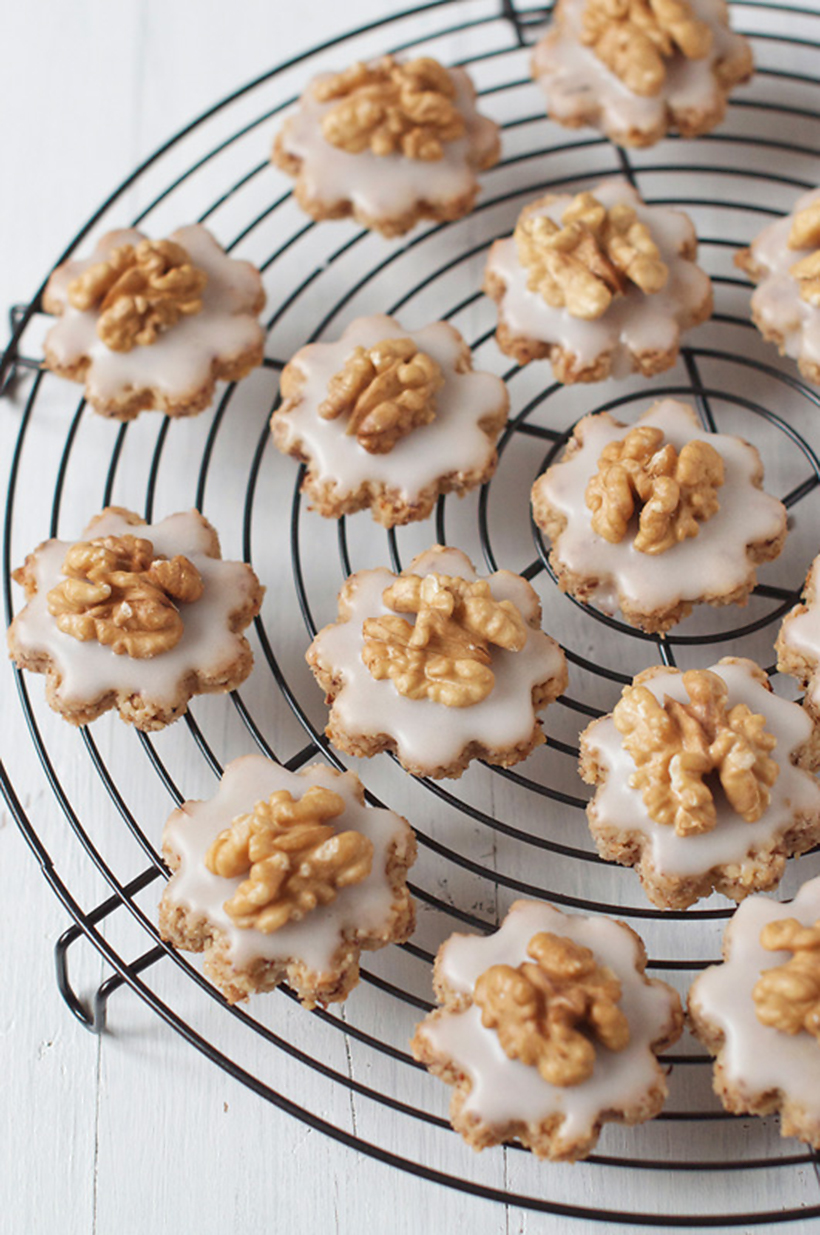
point(180, 361)
point(452, 442)
point(759, 1058)
point(429, 733)
point(505, 1089)
point(620, 808)
point(713, 562)
point(777, 304)
point(801, 631)
point(361, 910)
point(384, 186)
point(89, 669)
point(576, 82)
point(634, 322)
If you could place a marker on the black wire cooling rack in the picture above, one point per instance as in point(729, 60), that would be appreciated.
point(497, 833)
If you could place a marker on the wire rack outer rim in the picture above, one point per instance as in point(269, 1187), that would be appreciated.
point(85, 922)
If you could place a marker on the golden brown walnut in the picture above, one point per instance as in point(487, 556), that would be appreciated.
point(676, 745)
point(635, 38)
point(787, 997)
point(548, 1013)
point(445, 655)
point(292, 858)
point(139, 292)
point(673, 493)
point(593, 257)
point(118, 593)
point(385, 391)
point(807, 273)
point(805, 228)
point(389, 107)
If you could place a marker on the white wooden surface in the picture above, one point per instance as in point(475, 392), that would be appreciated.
point(134, 1131)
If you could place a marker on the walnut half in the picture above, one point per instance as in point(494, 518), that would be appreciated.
point(548, 1011)
point(787, 997)
point(593, 257)
point(118, 593)
point(139, 292)
point(445, 656)
point(292, 856)
point(385, 391)
point(676, 745)
point(675, 493)
point(390, 107)
point(635, 38)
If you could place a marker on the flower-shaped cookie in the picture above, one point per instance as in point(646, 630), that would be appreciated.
point(550, 1028)
point(135, 616)
point(600, 284)
point(390, 419)
point(286, 877)
point(657, 517)
point(798, 643)
point(702, 782)
point(154, 324)
point(636, 68)
point(784, 261)
point(759, 1012)
point(464, 681)
point(389, 142)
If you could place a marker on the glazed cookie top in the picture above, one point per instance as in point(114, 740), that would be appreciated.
point(452, 441)
point(801, 630)
point(756, 1056)
point(383, 185)
point(711, 563)
point(573, 74)
point(360, 910)
point(636, 320)
point(88, 668)
point(787, 302)
point(620, 806)
point(428, 732)
point(180, 358)
point(504, 1089)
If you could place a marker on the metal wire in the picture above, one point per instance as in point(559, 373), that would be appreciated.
point(513, 29)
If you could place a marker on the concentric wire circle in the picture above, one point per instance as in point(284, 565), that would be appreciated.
point(495, 834)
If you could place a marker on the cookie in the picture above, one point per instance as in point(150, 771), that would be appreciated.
point(642, 70)
point(150, 324)
point(599, 284)
point(702, 782)
point(784, 262)
point(389, 419)
point(463, 682)
point(390, 143)
point(286, 877)
point(657, 517)
point(135, 616)
point(758, 1012)
point(549, 1029)
point(798, 643)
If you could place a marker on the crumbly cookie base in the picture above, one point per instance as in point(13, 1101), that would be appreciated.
point(363, 746)
point(566, 365)
point(741, 1099)
point(688, 122)
point(190, 931)
point(543, 1138)
point(584, 587)
point(140, 710)
point(760, 871)
point(388, 225)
